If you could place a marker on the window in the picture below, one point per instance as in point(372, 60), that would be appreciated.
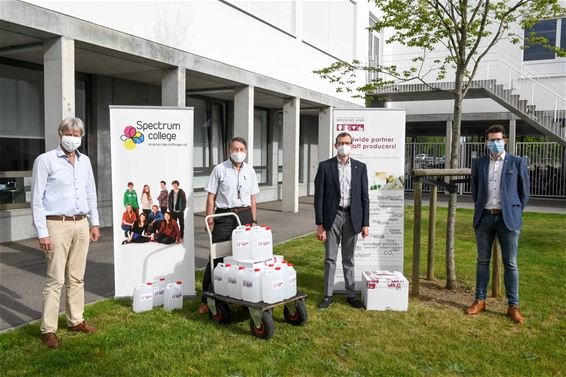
point(209, 137)
point(260, 144)
point(373, 50)
point(546, 29)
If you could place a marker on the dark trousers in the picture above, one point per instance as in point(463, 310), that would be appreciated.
point(161, 238)
point(179, 217)
point(146, 213)
point(163, 210)
point(223, 227)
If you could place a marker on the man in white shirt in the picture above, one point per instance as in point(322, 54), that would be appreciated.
point(63, 197)
point(232, 187)
point(500, 189)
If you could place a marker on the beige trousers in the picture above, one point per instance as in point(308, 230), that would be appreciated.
point(66, 264)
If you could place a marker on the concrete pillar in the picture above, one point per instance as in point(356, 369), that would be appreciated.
point(273, 148)
point(173, 87)
point(325, 142)
point(448, 147)
point(291, 122)
point(512, 136)
point(59, 85)
point(244, 117)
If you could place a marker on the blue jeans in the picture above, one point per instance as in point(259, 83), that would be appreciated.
point(489, 226)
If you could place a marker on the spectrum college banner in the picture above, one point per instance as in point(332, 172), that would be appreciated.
point(378, 141)
point(150, 145)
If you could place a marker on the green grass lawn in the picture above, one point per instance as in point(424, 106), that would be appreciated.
point(434, 338)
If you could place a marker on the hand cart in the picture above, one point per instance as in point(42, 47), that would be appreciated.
point(261, 314)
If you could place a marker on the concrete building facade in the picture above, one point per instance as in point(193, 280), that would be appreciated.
point(245, 67)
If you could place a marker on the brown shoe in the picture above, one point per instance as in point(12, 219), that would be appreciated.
point(476, 308)
point(203, 308)
point(50, 340)
point(82, 327)
point(515, 314)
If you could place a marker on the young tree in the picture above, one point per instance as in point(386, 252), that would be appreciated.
point(463, 32)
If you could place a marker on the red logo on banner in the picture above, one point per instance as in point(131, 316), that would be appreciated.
point(349, 127)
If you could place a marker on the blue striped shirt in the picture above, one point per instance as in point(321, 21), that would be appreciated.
point(62, 189)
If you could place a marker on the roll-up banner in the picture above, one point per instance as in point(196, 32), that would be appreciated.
point(150, 145)
point(378, 140)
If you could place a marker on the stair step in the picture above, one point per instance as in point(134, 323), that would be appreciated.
point(522, 105)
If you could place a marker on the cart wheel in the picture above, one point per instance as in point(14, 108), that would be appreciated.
point(223, 313)
point(300, 316)
point(267, 328)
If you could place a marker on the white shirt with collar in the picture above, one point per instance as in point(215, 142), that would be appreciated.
point(494, 182)
point(62, 189)
point(345, 178)
point(226, 182)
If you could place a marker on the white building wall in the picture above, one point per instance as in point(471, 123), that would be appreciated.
point(263, 37)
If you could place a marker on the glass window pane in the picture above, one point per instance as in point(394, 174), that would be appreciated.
point(260, 144)
point(563, 34)
point(17, 154)
point(546, 29)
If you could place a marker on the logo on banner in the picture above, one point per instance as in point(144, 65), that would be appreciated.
point(350, 127)
point(131, 138)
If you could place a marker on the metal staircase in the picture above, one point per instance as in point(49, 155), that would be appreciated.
point(535, 102)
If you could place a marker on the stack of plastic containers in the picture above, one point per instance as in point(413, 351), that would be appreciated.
point(151, 294)
point(253, 273)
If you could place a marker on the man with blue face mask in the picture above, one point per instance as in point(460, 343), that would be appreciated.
point(500, 189)
point(341, 205)
point(63, 201)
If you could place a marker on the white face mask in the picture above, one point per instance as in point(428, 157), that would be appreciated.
point(344, 150)
point(70, 143)
point(238, 157)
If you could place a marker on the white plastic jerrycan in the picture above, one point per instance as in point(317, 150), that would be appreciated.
point(158, 292)
point(173, 296)
point(262, 243)
point(221, 279)
point(143, 297)
point(241, 243)
point(235, 282)
point(290, 277)
point(273, 286)
point(252, 285)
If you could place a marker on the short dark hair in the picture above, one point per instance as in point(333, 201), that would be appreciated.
point(343, 134)
point(496, 128)
point(163, 182)
point(175, 182)
point(239, 140)
point(130, 183)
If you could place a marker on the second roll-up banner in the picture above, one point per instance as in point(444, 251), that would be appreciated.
point(152, 196)
point(378, 140)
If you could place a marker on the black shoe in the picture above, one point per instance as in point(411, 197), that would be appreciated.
point(124, 242)
point(355, 302)
point(325, 303)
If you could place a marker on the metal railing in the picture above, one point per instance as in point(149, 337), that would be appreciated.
point(545, 161)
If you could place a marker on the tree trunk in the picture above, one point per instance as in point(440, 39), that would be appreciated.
point(454, 164)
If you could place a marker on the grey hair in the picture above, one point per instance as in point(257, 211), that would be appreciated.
point(71, 124)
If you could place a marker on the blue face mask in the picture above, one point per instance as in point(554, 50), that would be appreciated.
point(496, 146)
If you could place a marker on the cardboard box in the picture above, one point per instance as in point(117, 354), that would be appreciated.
point(385, 290)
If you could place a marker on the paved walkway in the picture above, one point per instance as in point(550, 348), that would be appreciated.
point(22, 265)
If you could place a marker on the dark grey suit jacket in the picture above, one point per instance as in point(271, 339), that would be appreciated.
point(327, 194)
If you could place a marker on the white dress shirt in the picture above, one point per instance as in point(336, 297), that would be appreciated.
point(232, 188)
point(494, 182)
point(345, 178)
point(62, 189)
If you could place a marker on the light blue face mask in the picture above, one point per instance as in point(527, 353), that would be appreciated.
point(496, 146)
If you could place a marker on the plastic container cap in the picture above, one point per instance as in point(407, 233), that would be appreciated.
point(241, 267)
point(162, 279)
point(257, 269)
point(149, 283)
point(290, 264)
point(277, 268)
point(227, 265)
point(248, 225)
point(271, 265)
point(267, 228)
point(263, 225)
point(179, 282)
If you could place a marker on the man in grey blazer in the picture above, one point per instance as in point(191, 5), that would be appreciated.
point(500, 189)
point(341, 204)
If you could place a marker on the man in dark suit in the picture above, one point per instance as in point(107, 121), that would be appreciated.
point(500, 189)
point(341, 204)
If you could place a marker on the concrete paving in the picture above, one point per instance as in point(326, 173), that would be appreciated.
point(22, 265)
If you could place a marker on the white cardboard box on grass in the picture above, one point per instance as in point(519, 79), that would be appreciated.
point(385, 290)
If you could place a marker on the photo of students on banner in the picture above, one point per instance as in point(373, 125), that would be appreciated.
point(156, 223)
